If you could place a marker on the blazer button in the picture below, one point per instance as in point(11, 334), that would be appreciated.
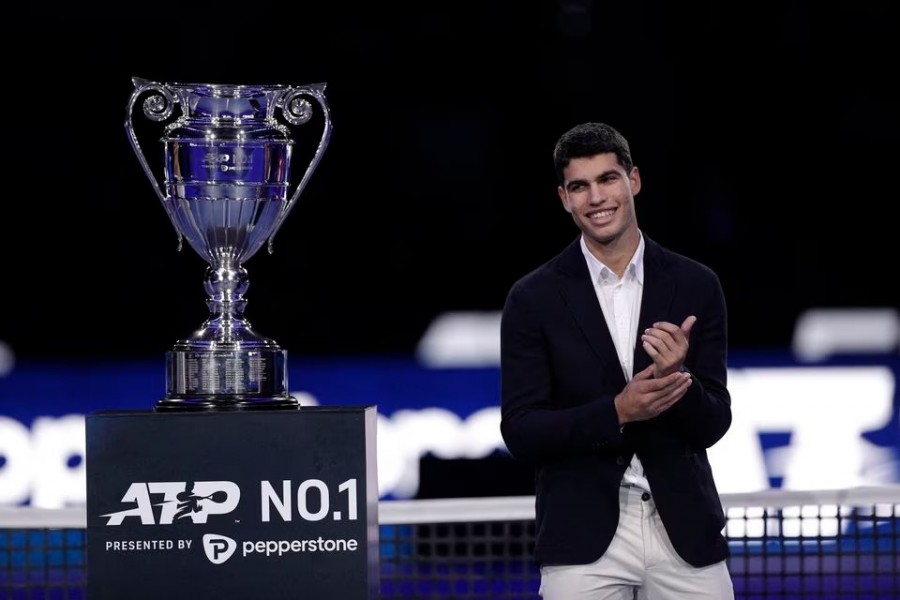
point(620, 460)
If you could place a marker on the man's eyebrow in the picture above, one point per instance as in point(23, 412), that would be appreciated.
point(601, 175)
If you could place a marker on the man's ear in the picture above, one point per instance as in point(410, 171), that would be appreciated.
point(635, 178)
point(564, 197)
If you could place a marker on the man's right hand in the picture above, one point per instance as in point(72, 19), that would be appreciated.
point(646, 396)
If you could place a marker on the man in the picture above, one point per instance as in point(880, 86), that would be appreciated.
point(613, 371)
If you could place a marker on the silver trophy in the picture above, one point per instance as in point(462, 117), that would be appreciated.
point(225, 182)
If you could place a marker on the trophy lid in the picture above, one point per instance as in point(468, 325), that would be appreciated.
point(228, 102)
point(227, 112)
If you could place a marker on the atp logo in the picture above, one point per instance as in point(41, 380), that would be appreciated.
point(179, 500)
point(218, 548)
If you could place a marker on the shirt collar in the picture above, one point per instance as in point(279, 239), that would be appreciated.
point(600, 273)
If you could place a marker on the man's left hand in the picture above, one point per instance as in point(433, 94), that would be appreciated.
point(667, 344)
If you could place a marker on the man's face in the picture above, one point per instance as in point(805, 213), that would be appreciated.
point(599, 194)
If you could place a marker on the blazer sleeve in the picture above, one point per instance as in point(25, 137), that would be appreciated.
point(703, 415)
point(536, 426)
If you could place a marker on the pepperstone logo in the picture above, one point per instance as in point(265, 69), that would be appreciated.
point(180, 500)
point(218, 548)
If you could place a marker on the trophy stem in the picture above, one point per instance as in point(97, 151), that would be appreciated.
point(226, 285)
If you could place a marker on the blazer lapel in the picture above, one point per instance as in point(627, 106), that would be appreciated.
point(578, 293)
point(658, 292)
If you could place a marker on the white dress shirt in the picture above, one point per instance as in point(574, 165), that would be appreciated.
point(620, 300)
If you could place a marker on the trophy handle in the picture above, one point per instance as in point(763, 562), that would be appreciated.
point(156, 108)
point(296, 111)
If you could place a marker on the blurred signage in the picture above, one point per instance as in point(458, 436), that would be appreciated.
point(828, 427)
point(797, 425)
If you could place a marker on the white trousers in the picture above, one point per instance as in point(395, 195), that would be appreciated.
point(640, 563)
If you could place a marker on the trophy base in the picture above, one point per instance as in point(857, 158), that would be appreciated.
point(226, 378)
point(223, 403)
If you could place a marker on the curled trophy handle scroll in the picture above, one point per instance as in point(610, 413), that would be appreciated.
point(157, 107)
point(296, 110)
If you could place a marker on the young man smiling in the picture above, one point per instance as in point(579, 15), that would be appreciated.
point(613, 370)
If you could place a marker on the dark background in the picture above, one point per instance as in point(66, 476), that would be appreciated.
point(766, 136)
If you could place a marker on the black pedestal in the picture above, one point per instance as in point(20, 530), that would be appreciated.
point(247, 505)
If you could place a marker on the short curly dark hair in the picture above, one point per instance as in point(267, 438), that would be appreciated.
point(589, 139)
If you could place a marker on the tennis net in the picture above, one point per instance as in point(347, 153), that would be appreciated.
point(826, 545)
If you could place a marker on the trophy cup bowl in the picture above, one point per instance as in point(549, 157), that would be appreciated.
point(226, 185)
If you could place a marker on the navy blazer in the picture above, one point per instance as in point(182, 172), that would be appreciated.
point(559, 376)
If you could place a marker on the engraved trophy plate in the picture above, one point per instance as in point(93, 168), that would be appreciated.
point(226, 186)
